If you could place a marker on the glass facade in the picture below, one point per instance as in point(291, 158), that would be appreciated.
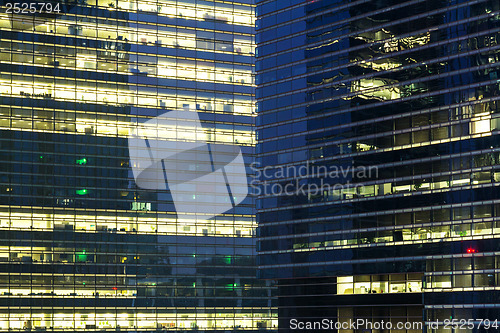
point(378, 153)
point(82, 247)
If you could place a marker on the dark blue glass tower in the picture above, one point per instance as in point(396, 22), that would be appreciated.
point(378, 153)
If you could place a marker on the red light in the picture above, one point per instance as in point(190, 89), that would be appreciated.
point(114, 288)
point(471, 250)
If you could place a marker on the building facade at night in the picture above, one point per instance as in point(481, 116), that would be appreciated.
point(378, 146)
point(82, 247)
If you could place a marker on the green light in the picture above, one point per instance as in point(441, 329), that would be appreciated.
point(82, 191)
point(81, 161)
point(41, 157)
point(227, 260)
point(81, 257)
point(231, 286)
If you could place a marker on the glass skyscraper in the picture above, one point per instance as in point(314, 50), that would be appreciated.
point(82, 247)
point(378, 147)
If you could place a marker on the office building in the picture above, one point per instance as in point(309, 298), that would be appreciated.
point(83, 247)
point(378, 142)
